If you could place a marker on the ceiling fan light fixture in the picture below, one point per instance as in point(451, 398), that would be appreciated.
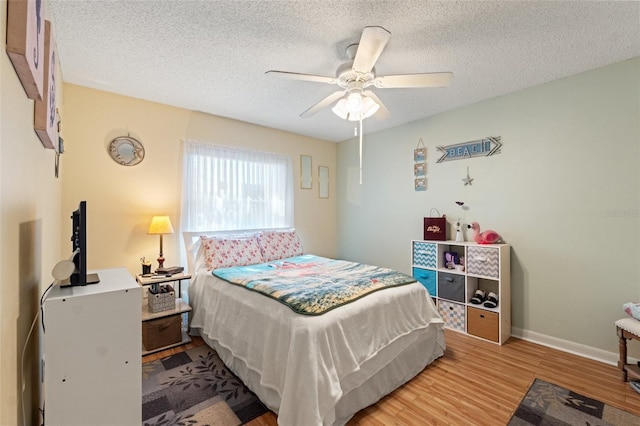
point(340, 109)
point(354, 102)
point(369, 107)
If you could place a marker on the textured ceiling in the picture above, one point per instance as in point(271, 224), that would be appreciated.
point(211, 56)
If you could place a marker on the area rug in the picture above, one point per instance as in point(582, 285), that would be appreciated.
point(195, 388)
point(549, 404)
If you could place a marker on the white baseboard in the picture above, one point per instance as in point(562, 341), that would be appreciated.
point(568, 346)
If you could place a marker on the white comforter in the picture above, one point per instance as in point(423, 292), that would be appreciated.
point(310, 362)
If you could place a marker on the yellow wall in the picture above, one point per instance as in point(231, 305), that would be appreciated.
point(122, 199)
point(29, 238)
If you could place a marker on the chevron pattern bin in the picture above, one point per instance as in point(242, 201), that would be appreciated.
point(483, 261)
point(425, 254)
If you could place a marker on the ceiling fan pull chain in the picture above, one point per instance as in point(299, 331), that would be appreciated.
point(361, 151)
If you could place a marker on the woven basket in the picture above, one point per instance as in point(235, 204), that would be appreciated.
point(163, 300)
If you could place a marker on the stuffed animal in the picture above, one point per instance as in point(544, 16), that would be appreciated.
point(486, 237)
point(632, 309)
point(450, 259)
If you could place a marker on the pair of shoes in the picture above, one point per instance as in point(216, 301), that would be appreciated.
point(478, 297)
point(488, 300)
point(492, 300)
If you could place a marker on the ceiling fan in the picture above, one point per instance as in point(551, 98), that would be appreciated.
point(354, 102)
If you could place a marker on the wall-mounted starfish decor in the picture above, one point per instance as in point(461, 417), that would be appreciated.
point(468, 179)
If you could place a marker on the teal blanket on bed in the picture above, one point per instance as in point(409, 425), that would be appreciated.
point(313, 285)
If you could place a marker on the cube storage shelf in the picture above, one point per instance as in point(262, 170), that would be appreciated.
point(486, 267)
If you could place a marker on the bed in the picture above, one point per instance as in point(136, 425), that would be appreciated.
point(309, 368)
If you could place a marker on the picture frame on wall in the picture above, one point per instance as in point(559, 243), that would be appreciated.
point(420, 166)
point(44, 117)
point(305, 172)
point(25, 44)
point(323, 182)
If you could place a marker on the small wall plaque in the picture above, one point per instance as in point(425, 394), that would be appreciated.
point(25, 43)
point(126, 150)
point(44, 116)
point(420, 167)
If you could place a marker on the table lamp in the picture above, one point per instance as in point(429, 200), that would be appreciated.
point(160, 225)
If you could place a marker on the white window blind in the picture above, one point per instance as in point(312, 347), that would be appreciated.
point(229, 188)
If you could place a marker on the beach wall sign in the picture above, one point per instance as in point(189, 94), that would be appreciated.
point(478, 148)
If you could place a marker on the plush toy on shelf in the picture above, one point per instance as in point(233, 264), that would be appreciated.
point(486, 237)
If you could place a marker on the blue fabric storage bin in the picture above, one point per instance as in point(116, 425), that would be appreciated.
point(427, 278)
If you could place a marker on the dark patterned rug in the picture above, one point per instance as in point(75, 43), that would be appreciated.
point(195, 388)
point(549, 404)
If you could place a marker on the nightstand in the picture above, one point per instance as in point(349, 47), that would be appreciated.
point(164, 329)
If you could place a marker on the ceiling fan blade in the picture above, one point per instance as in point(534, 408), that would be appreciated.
point(323, 103)
point(305, 77)
point(433, 79)
point(372, 42)
point(383, 112)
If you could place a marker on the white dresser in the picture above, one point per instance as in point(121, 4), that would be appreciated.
point(92, 353)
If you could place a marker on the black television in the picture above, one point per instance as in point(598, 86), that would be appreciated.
point(79, 246)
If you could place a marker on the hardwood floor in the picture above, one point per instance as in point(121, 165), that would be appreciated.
point(479, 383)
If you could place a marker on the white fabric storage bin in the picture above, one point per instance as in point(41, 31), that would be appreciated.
point(453, 314)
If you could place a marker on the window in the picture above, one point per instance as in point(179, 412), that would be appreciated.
point(228, 188)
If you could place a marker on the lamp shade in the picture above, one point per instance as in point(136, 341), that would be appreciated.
point(160, 225)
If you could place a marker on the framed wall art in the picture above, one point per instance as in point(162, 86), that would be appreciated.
point(305, 172)
point(126, 150)
point(44, 117)
point(323, 182)
point(420, 166)
point(25, 43)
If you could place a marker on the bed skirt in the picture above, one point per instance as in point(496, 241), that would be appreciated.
point(376, 378)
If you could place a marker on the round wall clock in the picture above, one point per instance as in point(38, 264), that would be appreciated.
point(126, 150)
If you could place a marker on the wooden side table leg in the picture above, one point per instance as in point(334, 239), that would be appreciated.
point(622, 348)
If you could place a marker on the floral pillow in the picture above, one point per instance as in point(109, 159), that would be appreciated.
point(276, 245)
point(221, 252)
